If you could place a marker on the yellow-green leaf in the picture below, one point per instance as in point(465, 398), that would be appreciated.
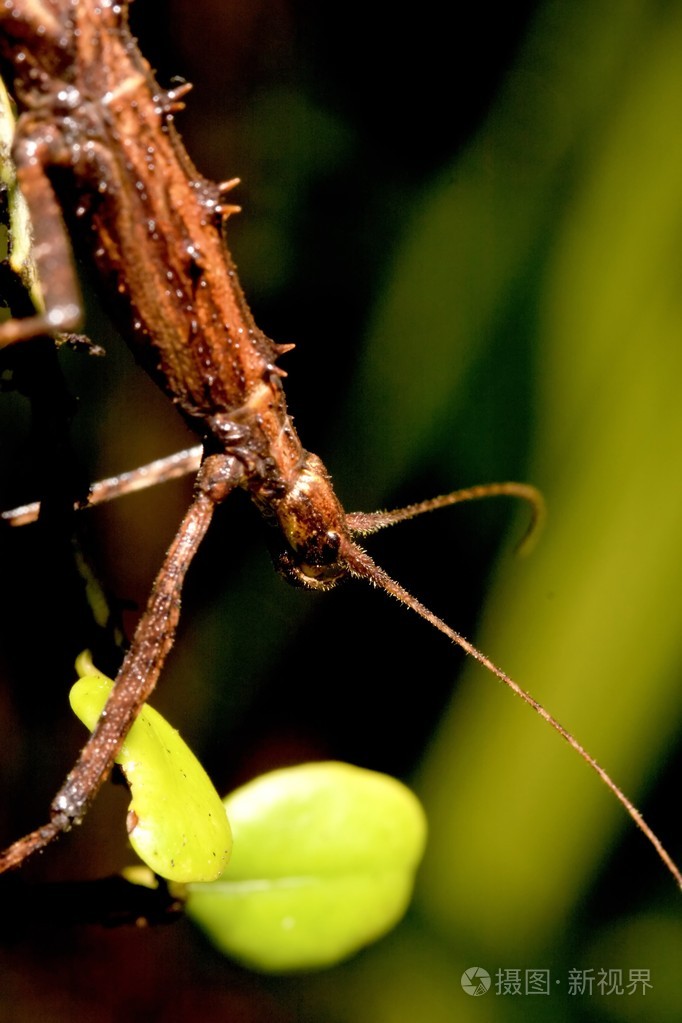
point(324, 860)
point(177, 821)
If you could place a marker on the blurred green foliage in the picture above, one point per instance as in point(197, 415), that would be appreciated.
point(580, 166)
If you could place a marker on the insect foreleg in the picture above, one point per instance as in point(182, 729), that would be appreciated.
point(51, 249)
point(141, 666)
point(161, 470)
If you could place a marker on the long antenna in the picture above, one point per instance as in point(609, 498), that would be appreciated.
point(360, 564)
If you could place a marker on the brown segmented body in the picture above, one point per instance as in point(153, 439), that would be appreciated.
point(93, 110)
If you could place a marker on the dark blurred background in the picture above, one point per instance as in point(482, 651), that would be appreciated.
point(472, 234)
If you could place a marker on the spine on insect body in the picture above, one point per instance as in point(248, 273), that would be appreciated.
point(97, 130)
point(94, 115)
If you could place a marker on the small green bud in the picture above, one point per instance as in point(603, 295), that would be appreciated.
point(176, 821)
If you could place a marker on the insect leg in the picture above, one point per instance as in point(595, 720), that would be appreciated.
point(161, 470)
point(51, 249)
point(141, 666)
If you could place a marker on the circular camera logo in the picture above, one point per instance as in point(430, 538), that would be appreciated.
point(475, 981)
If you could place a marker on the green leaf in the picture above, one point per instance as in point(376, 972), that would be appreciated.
point(324, 861)
point(177, 822)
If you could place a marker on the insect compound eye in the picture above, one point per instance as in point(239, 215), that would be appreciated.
point(328, 548)
point(316, 567)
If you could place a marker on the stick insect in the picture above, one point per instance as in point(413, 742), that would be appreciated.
point(96, 138)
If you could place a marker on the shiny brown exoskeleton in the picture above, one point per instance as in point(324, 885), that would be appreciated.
point(94, 115)
point(95, 142)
